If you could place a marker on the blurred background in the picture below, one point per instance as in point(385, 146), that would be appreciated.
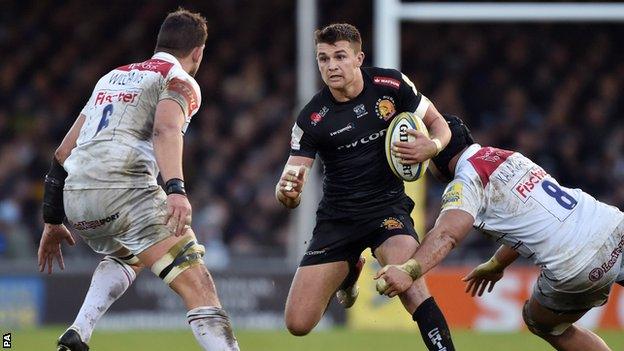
point(549, 90)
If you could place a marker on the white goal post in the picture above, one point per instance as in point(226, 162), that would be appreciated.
point(388, 15)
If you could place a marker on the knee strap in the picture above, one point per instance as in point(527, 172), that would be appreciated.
point(180, 257)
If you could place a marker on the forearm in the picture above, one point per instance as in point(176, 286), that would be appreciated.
point(451, 228)
point(440, 131)
point(168, 146)
point(434, 248)
point(505, 256)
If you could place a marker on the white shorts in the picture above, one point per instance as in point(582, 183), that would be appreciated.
point(111, 219)
point(591, 287)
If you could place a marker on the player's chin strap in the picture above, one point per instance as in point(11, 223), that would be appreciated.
point(182, 256)
point(411, 268)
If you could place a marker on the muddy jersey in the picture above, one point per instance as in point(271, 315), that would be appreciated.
point(349, 139)
point(519, 204)
point(114, 148)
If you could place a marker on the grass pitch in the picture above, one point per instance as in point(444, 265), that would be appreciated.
point(332, 340)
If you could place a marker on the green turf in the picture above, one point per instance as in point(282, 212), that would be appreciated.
point(338, 340)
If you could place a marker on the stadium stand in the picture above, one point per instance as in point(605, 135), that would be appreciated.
point(556, 99)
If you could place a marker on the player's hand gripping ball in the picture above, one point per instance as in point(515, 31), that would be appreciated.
point(397, 131)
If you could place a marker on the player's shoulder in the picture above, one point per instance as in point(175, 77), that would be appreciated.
point(383, 77)
point(315, 109)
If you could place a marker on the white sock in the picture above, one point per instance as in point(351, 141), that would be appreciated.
point(111, 279)
point(212, 329)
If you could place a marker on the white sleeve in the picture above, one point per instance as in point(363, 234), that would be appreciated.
point(460, 195)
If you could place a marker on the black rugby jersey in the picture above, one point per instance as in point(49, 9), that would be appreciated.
point(349, 138)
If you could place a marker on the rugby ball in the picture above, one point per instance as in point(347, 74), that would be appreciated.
point(397, 131)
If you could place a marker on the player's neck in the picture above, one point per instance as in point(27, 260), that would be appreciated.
point(351, 90)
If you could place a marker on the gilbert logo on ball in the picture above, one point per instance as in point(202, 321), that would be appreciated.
point(397, 131)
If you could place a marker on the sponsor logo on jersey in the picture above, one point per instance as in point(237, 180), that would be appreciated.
point(346, 128)
point(317, 117)
point(183, 92)
point(486, 161)
point(364, 140)
point(385, 108)
point(315, 252)
point(360, 111)
point(392, 223)
point(84, 225)
point(387, 81)
point(599, 272)
point(452, 196)
point(527, 184)
point(152, 65)
point(110, 96)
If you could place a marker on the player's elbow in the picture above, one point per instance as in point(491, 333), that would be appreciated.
point(166, 129)
point(298, 329)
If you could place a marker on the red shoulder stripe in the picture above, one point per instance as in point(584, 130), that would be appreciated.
point(486, 161)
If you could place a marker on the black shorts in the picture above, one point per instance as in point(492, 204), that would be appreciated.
point(336, 240)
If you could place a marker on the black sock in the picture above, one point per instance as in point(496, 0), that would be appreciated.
point(433, 328)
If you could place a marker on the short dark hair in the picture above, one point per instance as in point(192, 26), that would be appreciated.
point(339, 31)
point(181, 32)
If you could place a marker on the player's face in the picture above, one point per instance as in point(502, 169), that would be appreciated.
point(338, 63)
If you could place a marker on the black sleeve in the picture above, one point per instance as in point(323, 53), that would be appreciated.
point(409, 97)
point(302, 141)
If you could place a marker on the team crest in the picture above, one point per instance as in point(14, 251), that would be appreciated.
point(392, 223)
point(385, 108)
point(317, 117)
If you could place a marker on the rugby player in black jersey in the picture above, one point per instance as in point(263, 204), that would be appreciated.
point(364, 204)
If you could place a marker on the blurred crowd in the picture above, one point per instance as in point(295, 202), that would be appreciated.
point(549, 91)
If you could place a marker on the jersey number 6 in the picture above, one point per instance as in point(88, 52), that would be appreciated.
point(106, 113)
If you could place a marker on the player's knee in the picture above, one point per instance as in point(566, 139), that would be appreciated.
point(540, 329)
point(185, 254)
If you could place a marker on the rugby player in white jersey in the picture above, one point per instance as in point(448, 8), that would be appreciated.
point(576, 240)
point(103, 180)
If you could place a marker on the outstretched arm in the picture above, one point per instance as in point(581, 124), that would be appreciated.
point(54, 231)
point(490, 272)
point(450, 229)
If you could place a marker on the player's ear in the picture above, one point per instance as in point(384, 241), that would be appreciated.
point(360, 58)
point(197, 53)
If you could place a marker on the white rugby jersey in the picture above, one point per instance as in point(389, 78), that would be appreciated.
point(520, 205)
point(114, 148)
